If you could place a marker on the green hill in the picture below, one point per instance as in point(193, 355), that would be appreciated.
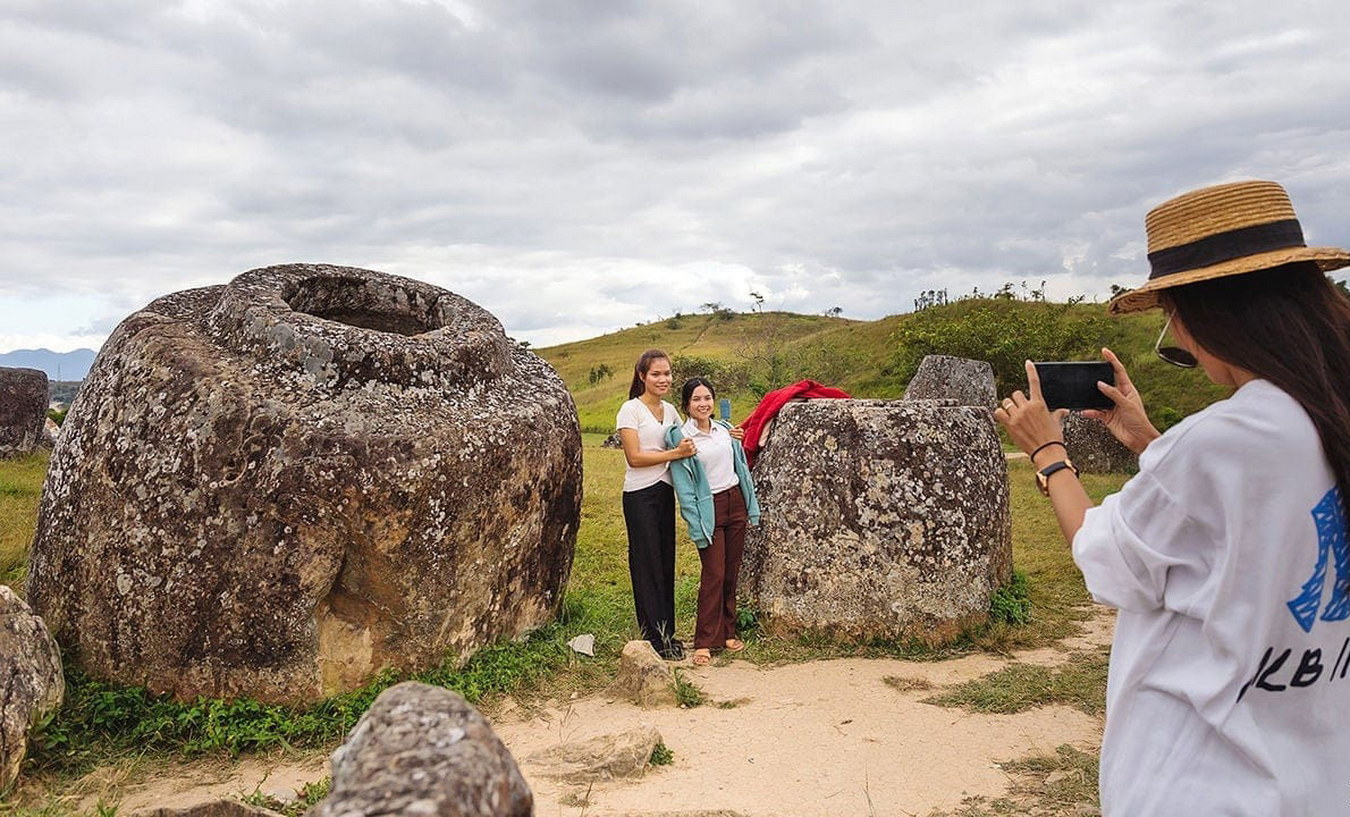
point(748, 354)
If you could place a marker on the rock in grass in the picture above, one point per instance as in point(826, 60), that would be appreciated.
point(881, 520)
point(23, 410)
point(644, 678)
point(605, 757)
point(942, 377)
point(31, 681)
point(423, 750)
point(279, 487)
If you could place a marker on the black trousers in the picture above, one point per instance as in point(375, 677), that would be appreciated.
point(649, 515)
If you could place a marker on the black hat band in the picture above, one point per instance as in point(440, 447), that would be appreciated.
point(1220, 247)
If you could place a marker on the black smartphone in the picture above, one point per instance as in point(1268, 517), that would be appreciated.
point(1073, 384)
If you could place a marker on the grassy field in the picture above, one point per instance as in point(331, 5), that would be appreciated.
point(20, 488)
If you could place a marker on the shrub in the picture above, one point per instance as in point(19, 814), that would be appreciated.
point(1000, 330)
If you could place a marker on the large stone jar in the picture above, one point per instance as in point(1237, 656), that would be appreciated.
point(881, 520)
point(281, 486)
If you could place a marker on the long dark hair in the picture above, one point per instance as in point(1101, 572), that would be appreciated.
point(1291, 326)
point(640, 369)
point(687, 391)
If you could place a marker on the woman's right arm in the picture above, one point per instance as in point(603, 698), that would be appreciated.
point(637, 458)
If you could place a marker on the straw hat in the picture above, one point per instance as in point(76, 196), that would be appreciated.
point(1223, 230)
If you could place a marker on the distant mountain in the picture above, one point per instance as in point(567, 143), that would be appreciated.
point(58, 365)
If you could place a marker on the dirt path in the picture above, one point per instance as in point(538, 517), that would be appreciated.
point(800, 740)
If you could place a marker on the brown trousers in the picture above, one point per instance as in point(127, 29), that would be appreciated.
point(721, 568)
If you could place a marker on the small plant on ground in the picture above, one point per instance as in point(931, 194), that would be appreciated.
point(1011, 603)
point(308, 795)
point(662, 755)
point(687, 694)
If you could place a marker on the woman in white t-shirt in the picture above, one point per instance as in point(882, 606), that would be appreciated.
point(1226, 556)
point(649, 499)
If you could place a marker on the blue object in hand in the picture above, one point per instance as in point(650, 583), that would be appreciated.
point(724, 408)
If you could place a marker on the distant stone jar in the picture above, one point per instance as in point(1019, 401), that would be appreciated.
point(23, 410)
point(1094, 449)
point(943, 377)
point(881, 519)
point(278, 487)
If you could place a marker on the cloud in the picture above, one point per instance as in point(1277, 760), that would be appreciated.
point(579, 167)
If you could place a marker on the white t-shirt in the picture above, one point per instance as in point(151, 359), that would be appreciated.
point(1227, 558)
point(714, 454)
point(651, 437)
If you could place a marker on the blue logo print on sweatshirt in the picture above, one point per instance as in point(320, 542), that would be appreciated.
point(1329, 515)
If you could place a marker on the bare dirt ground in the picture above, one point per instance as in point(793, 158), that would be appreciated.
point(815, 739)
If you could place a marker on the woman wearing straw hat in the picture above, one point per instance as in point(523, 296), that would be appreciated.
point(1226, 555)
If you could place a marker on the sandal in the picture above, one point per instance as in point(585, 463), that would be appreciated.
point(702, 657)
point(735, 645)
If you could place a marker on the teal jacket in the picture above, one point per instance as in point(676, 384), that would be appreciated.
point(691, 486)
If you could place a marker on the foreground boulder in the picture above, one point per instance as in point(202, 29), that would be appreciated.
point(423, 750)
point(1094, 449)
point(942, 377)
point(881, 519)
point(23, 410)
point(31, 681)
point(281, 486)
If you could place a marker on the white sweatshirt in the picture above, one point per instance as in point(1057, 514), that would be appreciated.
point(1226, 556)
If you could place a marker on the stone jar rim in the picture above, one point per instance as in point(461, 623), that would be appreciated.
point(345, 327)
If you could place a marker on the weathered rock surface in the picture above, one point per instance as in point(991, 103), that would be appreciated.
point(31, 682)
point(1094, 449)
point(216, 808)
point(423, 750)
point(23, 408)
point(281, 486)
point(644, 678)
point(604, 757)
point(880, 519)
point(51, 432)
point(942, 377)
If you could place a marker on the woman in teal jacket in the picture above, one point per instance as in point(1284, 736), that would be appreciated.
point(717, 500)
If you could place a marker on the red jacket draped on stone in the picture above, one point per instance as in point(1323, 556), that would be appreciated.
point(774, 401)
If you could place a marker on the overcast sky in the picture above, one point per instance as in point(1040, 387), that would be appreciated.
point(577, 167)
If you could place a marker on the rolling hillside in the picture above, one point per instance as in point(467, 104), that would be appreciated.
point(747, 354)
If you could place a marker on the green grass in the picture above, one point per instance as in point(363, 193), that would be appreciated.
point(1079, 682)
point(20, 489)
point(1042, 785)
